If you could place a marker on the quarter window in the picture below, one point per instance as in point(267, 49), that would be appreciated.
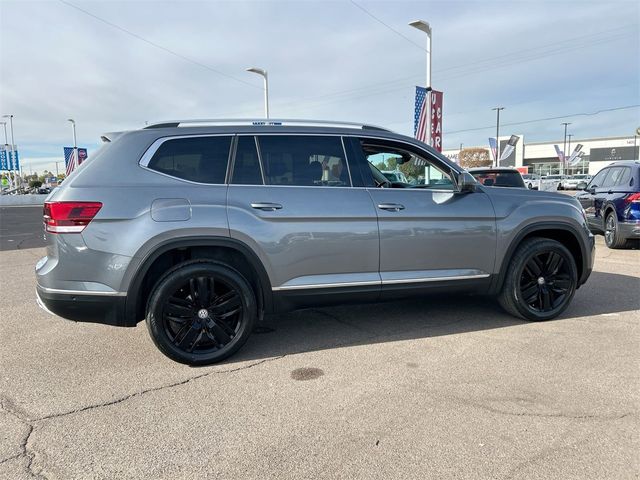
point(304, 160)
point(198, 159)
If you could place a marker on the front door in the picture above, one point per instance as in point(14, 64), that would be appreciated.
point(428, 233)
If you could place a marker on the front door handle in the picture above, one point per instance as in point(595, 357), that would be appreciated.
point(266, 206)
point(391, 207)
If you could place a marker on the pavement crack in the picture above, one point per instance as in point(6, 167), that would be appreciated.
point(155, 389)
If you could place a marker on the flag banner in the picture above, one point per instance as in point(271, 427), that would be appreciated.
point(559, 153)
point(70, 160)
point(509, 148)
point(436, 120)
point(493, 146)
point(576, 156)
point(9, 160)
point(420, 115)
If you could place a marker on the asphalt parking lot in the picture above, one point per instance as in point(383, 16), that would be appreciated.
point(432, 388)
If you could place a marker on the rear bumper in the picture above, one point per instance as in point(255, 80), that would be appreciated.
point(83, 307)
point(629, 230)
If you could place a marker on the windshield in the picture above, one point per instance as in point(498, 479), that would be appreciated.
point(490, 178)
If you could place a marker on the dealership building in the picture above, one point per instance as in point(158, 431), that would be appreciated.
point(541, 157)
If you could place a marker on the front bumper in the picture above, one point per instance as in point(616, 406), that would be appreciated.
point(83, 306)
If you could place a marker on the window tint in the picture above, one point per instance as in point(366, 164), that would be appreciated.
point(199, 159)
point(246, 167)
point(303, 160)
point(599, 178)
point(625, 176)
point(398, 165)
point(612, 178)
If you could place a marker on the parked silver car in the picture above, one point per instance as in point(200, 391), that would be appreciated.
point(201, 227)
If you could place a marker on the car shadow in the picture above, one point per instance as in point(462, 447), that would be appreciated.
point(432, 316)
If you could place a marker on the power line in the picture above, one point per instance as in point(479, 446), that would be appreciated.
point(582, 114)
point(387, 25)
point(156, 45)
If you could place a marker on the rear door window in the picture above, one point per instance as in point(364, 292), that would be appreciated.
point(625, 176)
point(197, 159)
point(613, 177)
point(304, 160)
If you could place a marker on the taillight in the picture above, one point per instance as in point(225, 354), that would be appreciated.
point(632, 198)
point(69, 217)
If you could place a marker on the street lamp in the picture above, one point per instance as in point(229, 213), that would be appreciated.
point(497, 109)
point(426, 28)
point(265, 77)
point(564, 152)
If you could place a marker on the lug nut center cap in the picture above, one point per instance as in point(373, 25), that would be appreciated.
point(541, 281)
point(203, 313)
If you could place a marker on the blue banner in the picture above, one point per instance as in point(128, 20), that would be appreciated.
point(4, 164)
point(9, 160)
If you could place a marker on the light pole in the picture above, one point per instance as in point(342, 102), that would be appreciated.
point(10, 117)
point(564, 152)
point(569, 148)
point(497, 109)
point(265, 77)
point(426, 28)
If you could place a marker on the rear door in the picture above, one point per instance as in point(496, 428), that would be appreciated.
point(428, 233)
point(292, 200)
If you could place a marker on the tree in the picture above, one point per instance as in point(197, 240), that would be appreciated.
point(474, 157)
point(35, 183)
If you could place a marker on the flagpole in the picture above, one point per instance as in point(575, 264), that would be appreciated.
point(497, 109)
point(426, 28)
point(11, 158)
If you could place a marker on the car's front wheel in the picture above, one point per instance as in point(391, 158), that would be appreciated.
point(201, 312)
point(541, 280)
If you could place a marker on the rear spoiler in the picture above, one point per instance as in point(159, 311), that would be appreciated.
point(110, 137)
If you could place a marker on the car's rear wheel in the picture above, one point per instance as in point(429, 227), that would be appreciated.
point(541, 280)
point(612, 237)
point(201, 312)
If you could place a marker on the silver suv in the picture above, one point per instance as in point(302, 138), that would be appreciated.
point(201, 227)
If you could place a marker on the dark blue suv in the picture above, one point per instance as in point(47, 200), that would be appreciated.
point(611, 201)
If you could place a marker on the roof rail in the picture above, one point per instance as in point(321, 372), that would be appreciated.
point(238, 122)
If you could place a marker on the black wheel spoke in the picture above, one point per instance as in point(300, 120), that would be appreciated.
point(188, 336)
point(202, 284)
point(534, 266)
point(530, 294)
point(545, 299)
point(225, 303)
point(554, 262)
point(178, 320)
point(177, 310)
point(218, 332)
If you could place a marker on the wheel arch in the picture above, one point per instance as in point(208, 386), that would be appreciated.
point(564, 233)
point(171, 252)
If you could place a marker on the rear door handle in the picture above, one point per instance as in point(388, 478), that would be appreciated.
point(266, 206)
point(391, 207)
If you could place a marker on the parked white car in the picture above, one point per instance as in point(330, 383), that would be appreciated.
point(532, 181)
point(571, 182)
point(551, 182)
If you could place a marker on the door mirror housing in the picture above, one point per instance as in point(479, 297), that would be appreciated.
point(581, 186)
point(466, 183)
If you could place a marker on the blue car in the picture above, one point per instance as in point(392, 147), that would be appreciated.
point(611, 201)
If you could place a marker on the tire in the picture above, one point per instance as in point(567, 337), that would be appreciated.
point(201, 312)
point(612, 238)
point(537, 266)
point(530, 186)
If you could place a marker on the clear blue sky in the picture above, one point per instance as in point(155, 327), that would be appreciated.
point(326, 60)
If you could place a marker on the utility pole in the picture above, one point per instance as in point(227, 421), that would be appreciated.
point(564, 151)
point(497, 109)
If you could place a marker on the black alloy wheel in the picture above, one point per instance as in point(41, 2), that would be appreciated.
point(545, 281)
point(541, 280)
point(201, 312)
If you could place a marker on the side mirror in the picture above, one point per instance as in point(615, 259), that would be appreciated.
point(466, 183)
point(581, 186)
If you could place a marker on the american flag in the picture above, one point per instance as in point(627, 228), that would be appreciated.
point(70, 159)
point(420, 115)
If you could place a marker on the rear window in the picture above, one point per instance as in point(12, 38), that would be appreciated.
point(499, 179)
point(197, 159)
